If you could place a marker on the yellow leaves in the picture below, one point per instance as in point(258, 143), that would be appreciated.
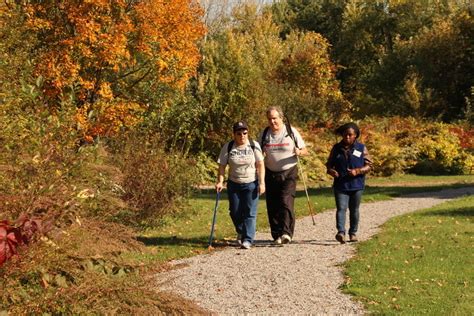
point(107, 117)
point(170, 30)
point(105, 91)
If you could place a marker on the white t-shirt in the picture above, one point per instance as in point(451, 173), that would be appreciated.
point(280, 149)
point(241, 161)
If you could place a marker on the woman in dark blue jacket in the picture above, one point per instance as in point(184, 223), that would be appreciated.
point(348, 163)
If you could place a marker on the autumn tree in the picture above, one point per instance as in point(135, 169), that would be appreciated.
point(114, 58)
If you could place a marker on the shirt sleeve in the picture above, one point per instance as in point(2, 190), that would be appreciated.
point(258, 152)
point(223, 156)
point(367, 162)
point(329, 163)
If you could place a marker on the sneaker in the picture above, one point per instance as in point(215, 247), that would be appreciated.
point(239, 239)
point(353, 238)
point(246, 245)
point(340, 238)
point(277, 241)
point(285, 239)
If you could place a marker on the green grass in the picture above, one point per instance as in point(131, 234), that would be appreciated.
point(187, 234)
point(421, 263)
point(416, 180)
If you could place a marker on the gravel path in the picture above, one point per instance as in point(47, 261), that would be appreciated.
point(302, 277)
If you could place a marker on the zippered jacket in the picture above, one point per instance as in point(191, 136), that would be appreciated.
point(354, 157)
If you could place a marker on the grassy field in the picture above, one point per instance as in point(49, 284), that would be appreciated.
point(422, 263)
point(188, 233)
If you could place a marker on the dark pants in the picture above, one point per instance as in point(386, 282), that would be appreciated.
point(280, 198)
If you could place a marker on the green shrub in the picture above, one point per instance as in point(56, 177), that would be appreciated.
point(39, 160)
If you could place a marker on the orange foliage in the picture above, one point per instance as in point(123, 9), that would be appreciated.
point(466, 136)
point(108, 117)
point(92, 47)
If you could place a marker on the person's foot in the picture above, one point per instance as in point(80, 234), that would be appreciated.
point(277, 241)
point(239, 239)
point(340, 238)
point(285, 239)
point(353, 238)
point(246, 245)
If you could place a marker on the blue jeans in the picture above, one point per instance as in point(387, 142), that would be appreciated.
point(344, 200)
point(243, 200)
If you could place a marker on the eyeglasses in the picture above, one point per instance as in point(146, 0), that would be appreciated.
point(241, 133)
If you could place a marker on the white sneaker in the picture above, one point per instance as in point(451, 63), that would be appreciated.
point(277, 241)
point(285, 239)
point(239, 239)
point(246, 245)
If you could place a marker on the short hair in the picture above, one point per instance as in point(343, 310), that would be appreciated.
point(341, 129)
point(276, 108)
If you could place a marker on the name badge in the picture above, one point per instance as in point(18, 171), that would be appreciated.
point(356, 153)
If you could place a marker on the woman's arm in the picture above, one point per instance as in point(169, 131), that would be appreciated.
point(261, 176)
point(220, 178)
point(367, 165)
point(329, 166)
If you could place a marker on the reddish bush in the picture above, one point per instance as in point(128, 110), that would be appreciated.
point(13, 236)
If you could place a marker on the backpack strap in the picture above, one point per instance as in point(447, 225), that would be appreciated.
point(231, 144)
point(229, 147)
point(264, 137)
point(252, 144)
point(290, 133)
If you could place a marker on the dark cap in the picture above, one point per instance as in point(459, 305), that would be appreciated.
point(240, 125)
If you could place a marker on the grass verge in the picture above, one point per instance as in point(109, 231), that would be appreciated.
point(420, 263)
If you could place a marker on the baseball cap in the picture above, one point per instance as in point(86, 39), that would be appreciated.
point(240, 125)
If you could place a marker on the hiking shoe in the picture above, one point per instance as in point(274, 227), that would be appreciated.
point(246, 245)
point(239, 239)
point(353, 238)
point(277, 241)
point(340, 238)
point(285, 239)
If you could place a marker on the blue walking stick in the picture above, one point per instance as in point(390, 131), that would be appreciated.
point(214, 220)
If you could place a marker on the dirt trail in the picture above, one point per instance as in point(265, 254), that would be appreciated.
point(302, 277)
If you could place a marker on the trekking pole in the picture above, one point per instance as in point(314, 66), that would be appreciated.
point(214, 220)
point(292, 136)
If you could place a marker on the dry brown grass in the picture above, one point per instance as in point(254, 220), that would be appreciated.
point(86, 268)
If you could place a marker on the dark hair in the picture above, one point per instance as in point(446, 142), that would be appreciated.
point(341, 129)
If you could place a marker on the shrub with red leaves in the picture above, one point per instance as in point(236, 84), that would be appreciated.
point(11, 237)
point(8, 241)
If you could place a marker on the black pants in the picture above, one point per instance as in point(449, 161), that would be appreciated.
point(280, 198)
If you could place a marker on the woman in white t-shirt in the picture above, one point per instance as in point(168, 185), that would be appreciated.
point(245, 183)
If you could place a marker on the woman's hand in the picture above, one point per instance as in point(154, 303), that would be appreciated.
point(353, 172)
point(219, 186)
point(261, 188)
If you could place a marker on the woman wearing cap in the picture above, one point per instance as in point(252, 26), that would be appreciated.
point(348, 163)
point(245, 183)
point(281, 145)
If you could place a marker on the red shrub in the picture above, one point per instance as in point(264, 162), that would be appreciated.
point(11, 237)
